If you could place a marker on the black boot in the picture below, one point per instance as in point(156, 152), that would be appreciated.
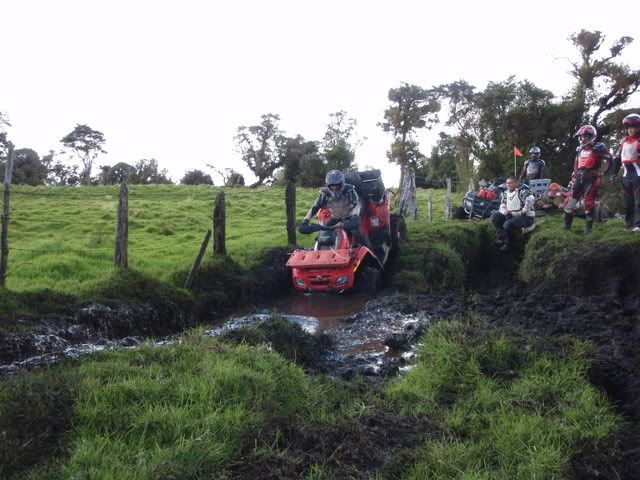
point(568, 220)
point(588, 226)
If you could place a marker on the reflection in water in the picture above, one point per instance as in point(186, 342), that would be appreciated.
point(328, 309)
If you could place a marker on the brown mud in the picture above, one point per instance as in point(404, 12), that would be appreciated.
point(379, 445)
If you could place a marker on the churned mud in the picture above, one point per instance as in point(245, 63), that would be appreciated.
point(377, 446)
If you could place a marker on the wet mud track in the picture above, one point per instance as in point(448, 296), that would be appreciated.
point(376, 338)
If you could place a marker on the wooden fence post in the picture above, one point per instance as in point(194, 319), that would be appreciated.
point(430, 206)
point(219, 246)
point(4, 235)
point(290, 205)
point(447, 201)
point(121, 257)
point(196, 264)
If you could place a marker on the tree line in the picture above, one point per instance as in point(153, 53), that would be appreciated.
point(482, 126)
point(476, 137)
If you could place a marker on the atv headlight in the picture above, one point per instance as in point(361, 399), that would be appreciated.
point(300, 282)
point(375, 222)
point(342, 280)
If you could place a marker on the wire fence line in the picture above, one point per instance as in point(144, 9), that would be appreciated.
point(97, 247)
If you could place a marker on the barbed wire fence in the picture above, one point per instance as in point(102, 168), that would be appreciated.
point(121, 244)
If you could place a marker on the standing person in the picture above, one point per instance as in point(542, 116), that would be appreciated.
point(534, 167)
point(628, 157)
point(587, 172)
point(516, 211)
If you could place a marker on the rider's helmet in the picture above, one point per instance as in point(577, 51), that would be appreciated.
point(631, 120)
point(335, 178)
point(534, 150)
point(586, 134)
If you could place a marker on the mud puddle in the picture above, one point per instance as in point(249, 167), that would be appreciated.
point(371, 337)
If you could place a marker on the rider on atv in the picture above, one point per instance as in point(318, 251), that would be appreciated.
point(343, 203)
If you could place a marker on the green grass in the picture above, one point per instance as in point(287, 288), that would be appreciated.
point(570, 258)
point(183, 411)
point(512, 411)
point(62, 238)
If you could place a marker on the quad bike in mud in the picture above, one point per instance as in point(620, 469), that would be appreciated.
point(337, 263)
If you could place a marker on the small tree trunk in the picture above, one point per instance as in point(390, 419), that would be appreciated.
point(290, 205)
point(196, 264)
point(4, 235)
point(430, 206)
point(121, 257)
point(219, 246)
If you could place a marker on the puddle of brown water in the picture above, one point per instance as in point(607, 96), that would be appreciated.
point(328, 309)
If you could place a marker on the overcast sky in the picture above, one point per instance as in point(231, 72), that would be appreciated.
point(174, 80)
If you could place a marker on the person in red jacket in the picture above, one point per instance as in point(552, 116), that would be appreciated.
point(590, 159)
point(628, 157)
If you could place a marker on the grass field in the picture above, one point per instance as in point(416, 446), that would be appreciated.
point(62, 238)
point(507, 406)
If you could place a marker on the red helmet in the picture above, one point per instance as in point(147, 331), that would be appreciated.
point(631, 120)
point(587, 131)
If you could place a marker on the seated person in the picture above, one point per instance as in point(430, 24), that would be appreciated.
point(344, 205)
point(516, 211)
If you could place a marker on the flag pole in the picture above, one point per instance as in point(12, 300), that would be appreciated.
point(515, 165)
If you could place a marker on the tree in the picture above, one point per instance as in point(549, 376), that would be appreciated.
point(27, 168)
point(196, 177)
point(312, 167)
point(230, 178)
point(340, 156)
point(86, 143)
point(119, 173)
point(4, 141)
point(63, 175)
point(146, 173)
point(601, 84)
point(412, 108)
point(261, 146)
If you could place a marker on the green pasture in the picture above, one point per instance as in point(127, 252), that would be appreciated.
point(63, 238)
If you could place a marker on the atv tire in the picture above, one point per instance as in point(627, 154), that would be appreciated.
point(368, 280)
point(398, 231)
point(458, 213)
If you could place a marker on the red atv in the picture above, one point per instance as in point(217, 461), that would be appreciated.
point(337, 263)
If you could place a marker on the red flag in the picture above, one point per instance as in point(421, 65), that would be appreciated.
point(517, 152)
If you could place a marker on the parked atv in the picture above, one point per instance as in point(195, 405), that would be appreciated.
point(337, 263)
point(481, 204)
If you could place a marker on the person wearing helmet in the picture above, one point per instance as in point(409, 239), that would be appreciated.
point(590, 159)
point(628, 157)
point(344, 205)
point(534, 167)
point(516, 211)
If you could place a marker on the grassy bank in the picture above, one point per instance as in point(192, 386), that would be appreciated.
point(512, 408)
point(608, 260)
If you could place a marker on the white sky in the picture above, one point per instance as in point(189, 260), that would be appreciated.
point(174, 80)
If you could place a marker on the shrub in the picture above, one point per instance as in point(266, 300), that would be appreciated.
point(442, 268)
point(410, 281)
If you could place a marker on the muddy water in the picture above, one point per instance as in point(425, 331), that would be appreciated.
point(369, 336)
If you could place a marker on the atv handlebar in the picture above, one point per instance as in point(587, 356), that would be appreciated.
point(314, 227)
